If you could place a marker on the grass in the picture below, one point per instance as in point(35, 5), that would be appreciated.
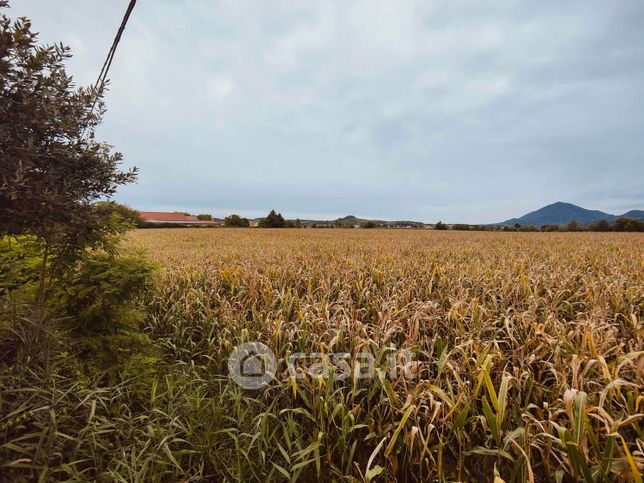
point(529, 362)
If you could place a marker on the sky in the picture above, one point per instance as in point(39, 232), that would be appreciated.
point(468, 111)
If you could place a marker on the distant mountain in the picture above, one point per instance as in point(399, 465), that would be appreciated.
point(637, 214)
point(560, 213)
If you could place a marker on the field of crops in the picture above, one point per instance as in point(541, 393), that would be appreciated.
point(528, 353)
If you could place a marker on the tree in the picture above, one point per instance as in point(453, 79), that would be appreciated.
point(440, 226)
point(601, 225)
point(204, 217)
point(628, 224)
point(461, 226)
point(52, 170)
point(236, 221)
point(550, 228)
point(369, 224)
point(273, 220)
point(573, 226)
point(122, 212)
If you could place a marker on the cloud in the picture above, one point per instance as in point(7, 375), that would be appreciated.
point(462, 111)
point(220, 87)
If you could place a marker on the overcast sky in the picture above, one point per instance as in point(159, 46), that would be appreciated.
point(463, 111)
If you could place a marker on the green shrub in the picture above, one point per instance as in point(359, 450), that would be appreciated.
point(20, 262)
point(236, 221)
point(628, 224)
point(440, 226)
point(99, 303)
point(461, 227)
point(94, 304)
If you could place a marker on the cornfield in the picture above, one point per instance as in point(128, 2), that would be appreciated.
point(528, 353)
point(526, 362)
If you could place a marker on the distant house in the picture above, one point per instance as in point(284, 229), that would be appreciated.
point(253, 223)
point(160, 217)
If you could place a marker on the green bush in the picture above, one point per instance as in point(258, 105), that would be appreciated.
point(99, 304)
point(628, 224)
point(20, 262)
point(461, 227)
point(440, 226)
point(236, 221)
point(601, 225)
point(92, 308)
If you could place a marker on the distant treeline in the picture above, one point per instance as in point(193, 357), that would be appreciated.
point(621, 224)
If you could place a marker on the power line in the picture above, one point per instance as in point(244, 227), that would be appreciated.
point(102, 76)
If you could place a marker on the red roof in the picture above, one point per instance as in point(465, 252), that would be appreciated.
point(162, 216)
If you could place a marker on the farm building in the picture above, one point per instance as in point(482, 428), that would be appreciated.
point(176, 217)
